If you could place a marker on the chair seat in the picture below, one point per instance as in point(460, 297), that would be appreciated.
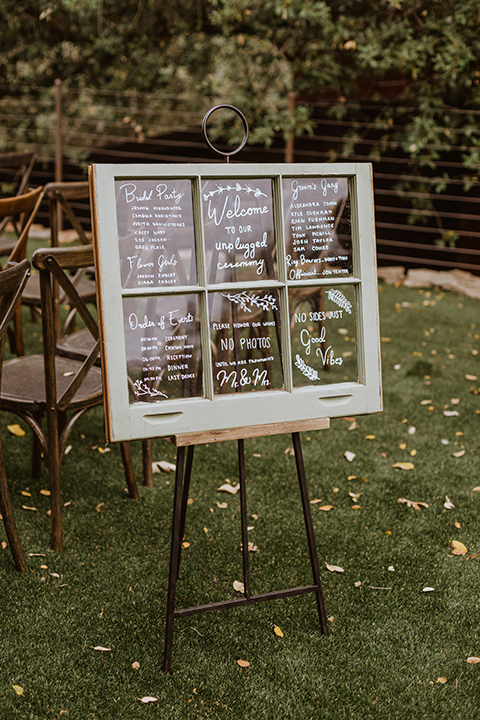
point(76, 345)
point(23, 383)
point(31, 295)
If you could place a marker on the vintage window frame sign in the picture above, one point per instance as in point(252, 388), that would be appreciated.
point(318, 314)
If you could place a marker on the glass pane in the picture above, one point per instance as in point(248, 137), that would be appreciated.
point(323, 332)
point(245, 341)
point(318, 234)
point(239, 230)
point(162, 338)
point(155, 232)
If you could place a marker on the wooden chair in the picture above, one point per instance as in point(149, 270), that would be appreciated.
point(50, 385)
point(25, 207)
point(17, 168)
point(12, 281)
point(64, 200)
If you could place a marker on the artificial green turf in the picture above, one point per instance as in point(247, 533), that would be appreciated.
point(387, 647)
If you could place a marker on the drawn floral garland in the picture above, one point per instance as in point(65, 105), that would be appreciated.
point(339, 299)
point(267, 302)
point(308, 371)
point(248, 189)
point(141, 388)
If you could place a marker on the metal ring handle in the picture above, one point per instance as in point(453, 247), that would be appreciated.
point(245, 128)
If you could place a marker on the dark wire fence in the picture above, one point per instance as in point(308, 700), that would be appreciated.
point(426, 216)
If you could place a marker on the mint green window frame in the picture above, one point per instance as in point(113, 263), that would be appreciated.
point(125, 421)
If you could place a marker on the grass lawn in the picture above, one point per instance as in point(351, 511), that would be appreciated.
point(395, 650)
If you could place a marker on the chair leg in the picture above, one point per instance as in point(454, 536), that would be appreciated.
point(9, 521)
point(129, 473)
point(147, 463)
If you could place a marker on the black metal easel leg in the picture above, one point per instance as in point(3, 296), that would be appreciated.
point(185, 491)
point(312, 547)
point(243, 515)
point(174, 558)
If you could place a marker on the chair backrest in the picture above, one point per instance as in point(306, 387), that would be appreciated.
point(16, 168)
point(62, 197)
point(55, 266)
point(25, 206)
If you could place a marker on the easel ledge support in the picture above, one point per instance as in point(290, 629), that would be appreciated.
point(243, 433)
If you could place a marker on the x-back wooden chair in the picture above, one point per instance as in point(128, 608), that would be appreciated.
point(17, 168)
point(25, 207)
point(50, 385)
point(64, 202)
point(12, 282)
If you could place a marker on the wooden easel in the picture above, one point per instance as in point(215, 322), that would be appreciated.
point(182, 484)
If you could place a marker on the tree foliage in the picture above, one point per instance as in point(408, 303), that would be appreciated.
point(253, 53)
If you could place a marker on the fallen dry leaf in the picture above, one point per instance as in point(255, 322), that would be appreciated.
point(448, 503)
point(326, 508)
point(103, 450)
point(100, 648)
point(232, 489)
point(135, 665)
point(471, 377)
point(239, 587)
point(290, 451)
point(416, 505)
point(369, 437)
point(458, 525)
point(148, 699)
point(458, 548)
point(404, 465)
point(16, 430)
point(476, 489)
point(222, 505)
point(428, 589)
point(349, 455)
point(243, 663)
point(18, 689)
point(473, 660)
point(185, 545)
point(163, 466)
point(277, 631)
point(315, 502)
point(334, 568)
point(459, 454)
point(99, 507)
point(451, 413)
point(442, 680)
point(47, 493)
point(26, 507)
